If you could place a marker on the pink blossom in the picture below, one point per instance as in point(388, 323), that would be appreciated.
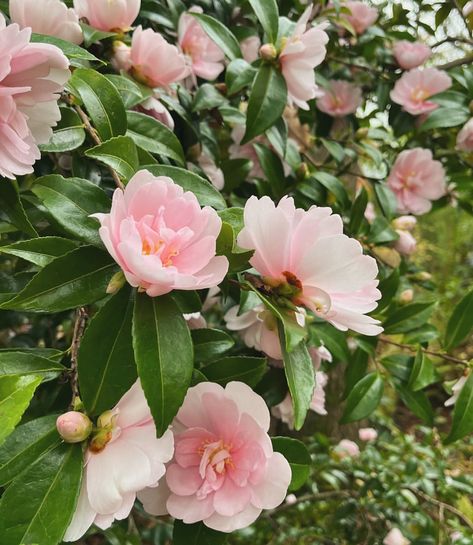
point(367, 434)
point(341, 98)
point(468, 8)
point(291, 499)
point(465, 137)
point(306, 254)
point(108, 15)
point(205, 57)
point(405, 223)
point(73, 426)
point(32, 77)
point(347, 449)
point(414, 88)
point(245, 151)
point(250, 48)
point(224, 470)
point(395, 537)
point(416, 179)
point(406, 244)
point(361, 16)
point(456, 390)
point(161, 238)
point(154, 108)
point(211, 170)
point(411, 54)
point(123, 457)
point(50, 17)
point(300, 54)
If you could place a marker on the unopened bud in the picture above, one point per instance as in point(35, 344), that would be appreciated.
point(387, 255)
point(361, 133)
point(302, 171)
point(116, 283)
point(405, 223)
point(291, 499)
point(406, 296)
point(74, 427)
point(423, 276)
point(268, 52)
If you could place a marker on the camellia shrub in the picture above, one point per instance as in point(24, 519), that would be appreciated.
point(208, 215)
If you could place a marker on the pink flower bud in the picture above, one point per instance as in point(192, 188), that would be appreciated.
point(395, 537)
point(367, 434)
point(74, 427)
point(406, 296)
point(291, 499)
point(405, 223)
point(268, 52)
point(347, 449)
point(406, 243)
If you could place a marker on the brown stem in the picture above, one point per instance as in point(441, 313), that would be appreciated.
point(458, 62)
point(312, 497)
point(79, 327)
point(444, 505)
point(425, 350)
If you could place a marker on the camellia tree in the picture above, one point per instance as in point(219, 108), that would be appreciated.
point(208, 211)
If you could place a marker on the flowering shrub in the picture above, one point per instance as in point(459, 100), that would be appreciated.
point(207, 219)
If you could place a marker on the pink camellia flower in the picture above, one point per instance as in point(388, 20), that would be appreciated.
point(50, 17)
point(395, 537)
point(32, 77)
point(367, 434)
point(154, 108)
point(361, 16)
point(347, 449)
point(414, 88)
point(108, 15)
point(123, 457)
point(161, 238)
point(300, 54)
point(416, 179)
point(341, 98)
point(456, 390)
point(305, 256)
point(250, 48)
point(406, 244)
point(206, 59)
point(411, 54)
point(211, 170)
point(245, 151)
point(465, 137)
point(224, 470)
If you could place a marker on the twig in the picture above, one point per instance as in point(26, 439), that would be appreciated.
point(453, 39)
point(425, 350)
point(311, 497)
point(444, 505)
point(359, 67)
point(458, 62)
point(79, 327)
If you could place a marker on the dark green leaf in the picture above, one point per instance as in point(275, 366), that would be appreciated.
point(238, 75)
point(220, 34)
point(119, 153)
point(92, 35)
point(209, 343)
point(356, 369)
point(388, 287)
point(12, 209)
point(460, 323)
point(207, 98)
point(462, 423)
point(72, 51)
point(273, 170)
point(445, 117)
point(423, 372)
point(196, 534)
point(240, 368)
point(39, 251)
point(364, 398)
point(409, 317)
point(268, 15)
point(358, 211)
point(297, 455)
point(335, 149)
point(68, 135)
point(132, 93)
point(28, 363)
point(187, 300)
point(335, 186)
point(386, 199)
point(417, 402)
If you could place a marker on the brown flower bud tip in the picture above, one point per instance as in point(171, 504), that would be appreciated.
point(116, 283)
point(302, 171)
point(268, 52)
point(74, 427)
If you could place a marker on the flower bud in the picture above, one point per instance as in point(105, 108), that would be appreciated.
point(405, 223)
point(406, 244)
point(74, 427)
point(367, 434)
point(406, 296)
point(268, 52)
point(423, 276)
point(361, 133)
point(302, 171)
point(291, 499)
point(116, 283)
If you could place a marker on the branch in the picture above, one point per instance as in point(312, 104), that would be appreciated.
point(458, 62)
point(424, 350)
point(79, 327)
point(443, 505)
point(311, 497)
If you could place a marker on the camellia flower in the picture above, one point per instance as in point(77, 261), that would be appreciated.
point(414, 88)
point(367, 434)
point(161, 238)
point(305, 257)
point(416, 179)
point(224, 470)
point(411, 54)
point(211, 170)
point(32, 77)
point(347, 449)
point(123, 457)
point(456, 390)
point(361, 15)
point(406, 244)
point(245, 151)
point(300, 54)
point(50, 17)
point(108, 15)
point(341, 98)
point(250, 48)
point(205, 57)
point(153, 107)
point(395, 537)
point(465, 137)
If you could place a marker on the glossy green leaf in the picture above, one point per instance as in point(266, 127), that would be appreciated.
point(444, 118)
point(417, 402)
point(297, 455)
point(132, 92)
point(335, 186)
point(164, 355)
point(335, 149)
point(407, 318)
point(220, 34)
point(106, 362)
point(196, 534)
point(388, 287)
point(236, 368)
point(210, 343)
point(460, 323)
point(238, 75)
point(386, 199)
point(187, 300)
point(38, 506)
point(26, 445)
point(333, 339)
point(72, 51)
point(92, 35)
point(39, 251)
point(153, 136)
point(28, 363)
point(119, 153)
point(207, 98)
point(273, 170)
point(78, 278)
point(423, 372)
point(462, 422)
point(268, 15)
point(68, 135)
point(71, 201)
point(102, 102)
point(266, 103)
point(358, 211)
point(12, 209)
point(363, 398)
point(356, 369)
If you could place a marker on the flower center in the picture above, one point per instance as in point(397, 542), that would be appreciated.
point(419, 94)
point(216, 457)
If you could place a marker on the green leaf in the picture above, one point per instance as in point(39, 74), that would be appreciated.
point(462, 422)
point(153, 136)
point(460, 323)
point(273, 386)
point(238, 75)
point(417, 402)
point(407, 318)
point(164, 356)
point(205, 192)
point(15, 396)
point(78, 278)
point(106, 362)
point(12, 209)
point(28, 363)
point(266, 103)
point(300, 376)
point(187, 300)
point(196, 534)
point(268, 15)
point(333, 339)
point(423, 372)
point(51, 488)
point(240, 368)
point(445, 117)
point(26, 445)
point(297, 455)
point(132, 93)
point(68, 135)
point(364, 398)
point(119, 153)
point(71, 201)
point(386, 199)
point(92, 35)
point(238, 259)
point(388, 287)
point(356, 369)
point(335, 186)
point(358, 211)
point(335, 149)
point(210, 343)
point(273, 170)
point(39, 251)
point(207, 98)
point(102, 101)
point(72, 51)
point(220, 34)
